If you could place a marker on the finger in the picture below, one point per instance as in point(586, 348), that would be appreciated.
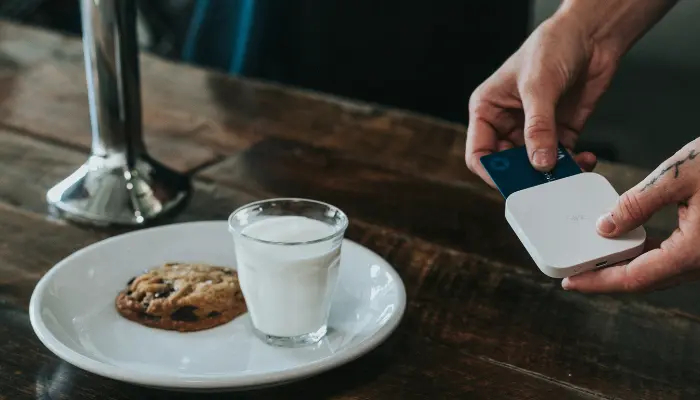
point(539, 103)
point(666, 185)
point(587, 161)
point(642, 273)
point(567, 137)
point(481, 141)
point(516, 136)
point(682, 278)
point(504, 145)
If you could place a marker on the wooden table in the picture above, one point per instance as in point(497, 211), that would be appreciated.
point(481, 321)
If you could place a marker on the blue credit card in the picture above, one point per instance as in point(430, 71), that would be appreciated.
point(511, 170)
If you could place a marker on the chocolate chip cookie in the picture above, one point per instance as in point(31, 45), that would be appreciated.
point(182, 297)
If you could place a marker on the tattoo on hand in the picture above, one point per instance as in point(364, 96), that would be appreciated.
point(675, 167)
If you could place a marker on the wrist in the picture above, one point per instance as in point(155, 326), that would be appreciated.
point(614, 25)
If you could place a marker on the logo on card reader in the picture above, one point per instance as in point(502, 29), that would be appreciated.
point(577, 218)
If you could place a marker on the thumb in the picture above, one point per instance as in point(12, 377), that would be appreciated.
point(632, 210)
point(666, 185)
point(540, 132)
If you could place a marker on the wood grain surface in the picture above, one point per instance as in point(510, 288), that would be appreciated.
point(481, 322)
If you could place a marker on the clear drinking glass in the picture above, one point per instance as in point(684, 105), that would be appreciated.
point(288, 259)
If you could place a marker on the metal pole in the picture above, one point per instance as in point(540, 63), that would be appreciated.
point(119, 184)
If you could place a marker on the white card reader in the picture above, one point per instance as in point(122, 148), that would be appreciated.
point(556, 222)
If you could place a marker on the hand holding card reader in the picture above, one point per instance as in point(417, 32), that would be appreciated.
point(554, 214)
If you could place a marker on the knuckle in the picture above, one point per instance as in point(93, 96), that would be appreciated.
point(630, 207)
point(670, 245)
point(476, 101)
point(530, 84)
point(633, 282)
point(538, 127)
point(534, 86)
point(470, 160)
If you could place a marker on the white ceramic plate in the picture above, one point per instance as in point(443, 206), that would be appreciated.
point(72, 312)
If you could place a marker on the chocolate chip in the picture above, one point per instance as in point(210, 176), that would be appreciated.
point(213, 314)
point(164, 293)
point(131, 281)
point(150, 317)
point(159, 280)
point(185, 314)
point(128, 293)
point(228, 272)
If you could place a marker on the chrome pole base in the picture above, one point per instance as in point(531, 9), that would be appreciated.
point(105, 192)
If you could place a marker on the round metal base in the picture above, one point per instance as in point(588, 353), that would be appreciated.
point(106, 192)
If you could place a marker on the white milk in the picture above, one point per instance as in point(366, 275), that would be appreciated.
point(288, 289)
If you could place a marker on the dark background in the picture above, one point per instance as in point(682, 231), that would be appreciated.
point(424, 56)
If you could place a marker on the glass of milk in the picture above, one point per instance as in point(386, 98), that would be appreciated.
point(288, 257)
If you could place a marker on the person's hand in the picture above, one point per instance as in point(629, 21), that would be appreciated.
point(676, 259)
point(542, 95)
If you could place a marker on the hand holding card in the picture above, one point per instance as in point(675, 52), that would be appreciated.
point(511, 170)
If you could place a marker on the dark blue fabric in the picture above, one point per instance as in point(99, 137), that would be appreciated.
point(219, 34)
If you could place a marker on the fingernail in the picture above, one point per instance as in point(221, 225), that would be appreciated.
point(605, 224)
point(543, 158)
point(566, 284)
